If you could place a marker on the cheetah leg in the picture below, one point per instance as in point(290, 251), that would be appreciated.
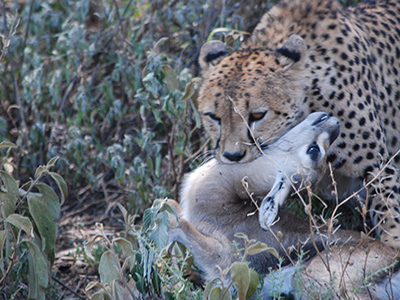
point(273, 201)
point(385, 206)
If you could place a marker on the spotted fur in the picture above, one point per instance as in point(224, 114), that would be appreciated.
point(307, 56)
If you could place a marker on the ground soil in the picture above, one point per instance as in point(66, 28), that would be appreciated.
point(71, 270)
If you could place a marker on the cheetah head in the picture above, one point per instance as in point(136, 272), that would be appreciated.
point(251, 96)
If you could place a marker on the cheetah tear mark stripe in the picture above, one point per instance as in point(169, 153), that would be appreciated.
point(212, 56)
point(293, 55)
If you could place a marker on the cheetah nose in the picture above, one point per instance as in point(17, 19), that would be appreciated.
point(235, 156)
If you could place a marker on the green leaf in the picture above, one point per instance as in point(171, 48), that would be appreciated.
point(92, 285)
point(189, 91)
point(196, 114)
point(118, 292)
point(208, 288)
point(52, 162)
point(170, 77)
point(241, 278)
point(61, 185)
point(124, 213)
point(8, 193)
point(47, 229)
point(160, 42)
point(157, 170)
point(152, 85)
point(150, 164)
point(129, 263)
point(39, 271)
point(261, 247)
point(216, 30)
point(3, 236)
point(159, 234)
point(254, 279)
point(7, 144)
point(88, 246)
point(132, 238)
point(40, 170)
point(51, 200)
point(166, 206)
point(215, 293)
point(148, 218)
point(109, 267)
point(228, 295)
point(20, 222)
point(125, 246)
point(100, 295)
point(242, 236)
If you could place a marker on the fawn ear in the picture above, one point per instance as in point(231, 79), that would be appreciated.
point(211, 54)
point(293, 53)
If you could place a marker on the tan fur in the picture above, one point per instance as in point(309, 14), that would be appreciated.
point(215, 204)
point(354, 267)
point(358, 263)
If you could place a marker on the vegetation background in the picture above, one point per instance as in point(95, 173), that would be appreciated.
point(110, 88)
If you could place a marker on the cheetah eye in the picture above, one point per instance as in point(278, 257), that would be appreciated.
point(313, 151)
point(257, 116)
point(213, 117)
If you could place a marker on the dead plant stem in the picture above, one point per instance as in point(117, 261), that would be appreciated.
point(67, 288)
point(15, 83)
point(26, 37)
point(364, 187)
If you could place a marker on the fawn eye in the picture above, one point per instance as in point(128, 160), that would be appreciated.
point(257, 116)
point(313, 151)
point(213, 117)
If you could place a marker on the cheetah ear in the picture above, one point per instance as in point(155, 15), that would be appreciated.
point(211, 54)
point(293, 53)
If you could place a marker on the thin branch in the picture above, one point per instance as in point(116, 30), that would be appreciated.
point(370, 182)
point(3, 280)
point(17, 98)
point(222, 15)
point(26, 36)
point(117, 12)
point(120, 20)
point(126, 9)
point(66, 94)
point(68, 288)
point(197, 153)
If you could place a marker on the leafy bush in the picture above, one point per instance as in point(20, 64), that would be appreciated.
point(136, 261)
point(98, 85)
point(28, 231)
point(141, 249)
point(110, 88)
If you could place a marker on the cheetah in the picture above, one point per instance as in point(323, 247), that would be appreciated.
point(315, 55)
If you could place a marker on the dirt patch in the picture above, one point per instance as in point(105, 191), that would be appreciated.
point(71, 271)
